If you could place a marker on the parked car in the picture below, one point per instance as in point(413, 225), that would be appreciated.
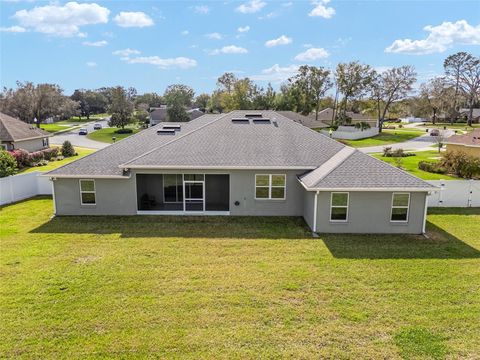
point(434, 132)
point(97, 126)
point(83, 131)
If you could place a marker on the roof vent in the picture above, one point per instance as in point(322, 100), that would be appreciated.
point(252, 115)
point(166, 132)
point(240, 120)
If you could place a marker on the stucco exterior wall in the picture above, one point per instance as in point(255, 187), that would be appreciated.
point(469, 150)
point(308, 207)
point(369, 212)
point(30, 145)
point(113, 197)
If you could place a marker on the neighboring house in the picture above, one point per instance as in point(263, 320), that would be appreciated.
point(16, 134)
point(159, 114)
point(468, 143)
point(308, 121)
point(248, 163)
point(411, 120)
point(475, 114)
point(326, 115)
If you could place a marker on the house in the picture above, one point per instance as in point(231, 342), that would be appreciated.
point(248, 163)
point(326, 115)
point(468, 143)
point(412, 119)
point(17, 134)
point(159, 114)
point(308, 121)
point(464, 113)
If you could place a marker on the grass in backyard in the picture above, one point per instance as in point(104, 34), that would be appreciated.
point(106, 134)
point(55, 164)
point(410, 164)
point(53, 128)
point(209, 287)
point(385, 138)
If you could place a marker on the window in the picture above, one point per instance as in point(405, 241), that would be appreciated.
point(45, 142)
point(172, 188)
point(400, 205)
point(87, 192)
point(270, 186)
point(339, 206)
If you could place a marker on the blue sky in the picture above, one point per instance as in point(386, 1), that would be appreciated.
point(151, 44)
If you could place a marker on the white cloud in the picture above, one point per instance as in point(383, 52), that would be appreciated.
point(439, 39)
point(201, 9)
point(251, 7)
point(63, 20)
point(230, 49)
point(276, 73)
point(133, 19)
point(322, 10)
point(243, 29)
point(214, 36)
point(13, 29)
point(95, 43)
point(185, 32)
point(126, 52)
point(169, 63)
point(312, 54)
point(91, 64)
point(282, 40)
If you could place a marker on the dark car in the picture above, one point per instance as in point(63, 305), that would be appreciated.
point(83, 131)
point(97, 126)
point(434, 132)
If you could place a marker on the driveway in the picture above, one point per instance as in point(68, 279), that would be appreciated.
point(420, 143)
point(81, 140)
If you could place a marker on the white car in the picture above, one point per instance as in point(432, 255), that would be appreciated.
point(97, 126)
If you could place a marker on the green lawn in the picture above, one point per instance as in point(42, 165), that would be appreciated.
point(221, 287)
point(410, 164)
point(53, 128)
point(385, 138)
point(106, 134)
point(55, 164)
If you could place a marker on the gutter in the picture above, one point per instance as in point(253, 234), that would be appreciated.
point(315, 206)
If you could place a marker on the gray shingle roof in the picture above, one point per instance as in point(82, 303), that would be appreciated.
point(12, 129)
point(216, 141)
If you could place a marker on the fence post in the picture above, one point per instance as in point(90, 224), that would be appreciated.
point(12, 194)
point(470, 193)
point(440, 195)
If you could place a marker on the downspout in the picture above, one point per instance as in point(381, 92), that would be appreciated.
point(315, 202)
point(424, 228)
point(53, 196)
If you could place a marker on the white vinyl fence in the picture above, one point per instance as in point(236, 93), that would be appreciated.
point(455, 193)
point(22, 186)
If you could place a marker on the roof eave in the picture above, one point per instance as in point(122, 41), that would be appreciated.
point(213, 167)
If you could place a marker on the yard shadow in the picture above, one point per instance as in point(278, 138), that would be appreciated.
point(180, 226)
point(439, 245)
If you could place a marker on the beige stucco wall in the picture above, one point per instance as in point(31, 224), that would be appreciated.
point(469, 150)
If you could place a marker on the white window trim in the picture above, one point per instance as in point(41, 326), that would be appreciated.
point(270, 186)
point(339, 206)
point(87, 191)
point(400, 207)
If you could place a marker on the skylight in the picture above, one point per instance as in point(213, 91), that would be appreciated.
point(166, 132)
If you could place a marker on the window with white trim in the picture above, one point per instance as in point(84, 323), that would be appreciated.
point(400, 207)
point(270, 186)
point(339, 206)
point(87, 192)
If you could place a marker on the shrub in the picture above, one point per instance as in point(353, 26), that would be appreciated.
point(35, 157)
point(432, 167)
point(8, 164)
point(67, 149)
point(50, 153)
point(21, 157)
point(388, 152)
point(362, 125)
point(59, 157)
point(124, 131)
point(461, 164)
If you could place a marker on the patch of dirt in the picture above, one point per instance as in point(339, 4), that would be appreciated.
point(86, 259)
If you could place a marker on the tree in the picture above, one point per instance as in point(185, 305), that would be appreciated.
point(263, 99)
point(312, 82)
point(178, 97)
point(151, 99)
point(437, 95)
point(469, 83)
point(8, 164)
point(391, 86)
point(201, 101)
point(353, 80)
point(142, 115)
point(454, 67)
point(121, 108)
point(226, 82)
point(67, 149)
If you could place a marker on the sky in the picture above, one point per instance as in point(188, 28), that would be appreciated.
point(152, 44)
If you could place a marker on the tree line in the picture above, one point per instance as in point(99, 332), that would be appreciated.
point(351, 86)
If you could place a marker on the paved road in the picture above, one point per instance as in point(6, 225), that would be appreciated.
point(420, 143)
point(81, 140)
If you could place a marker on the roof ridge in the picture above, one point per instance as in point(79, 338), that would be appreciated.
point(173, 140)
point(6, 127)
point(328, 166)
